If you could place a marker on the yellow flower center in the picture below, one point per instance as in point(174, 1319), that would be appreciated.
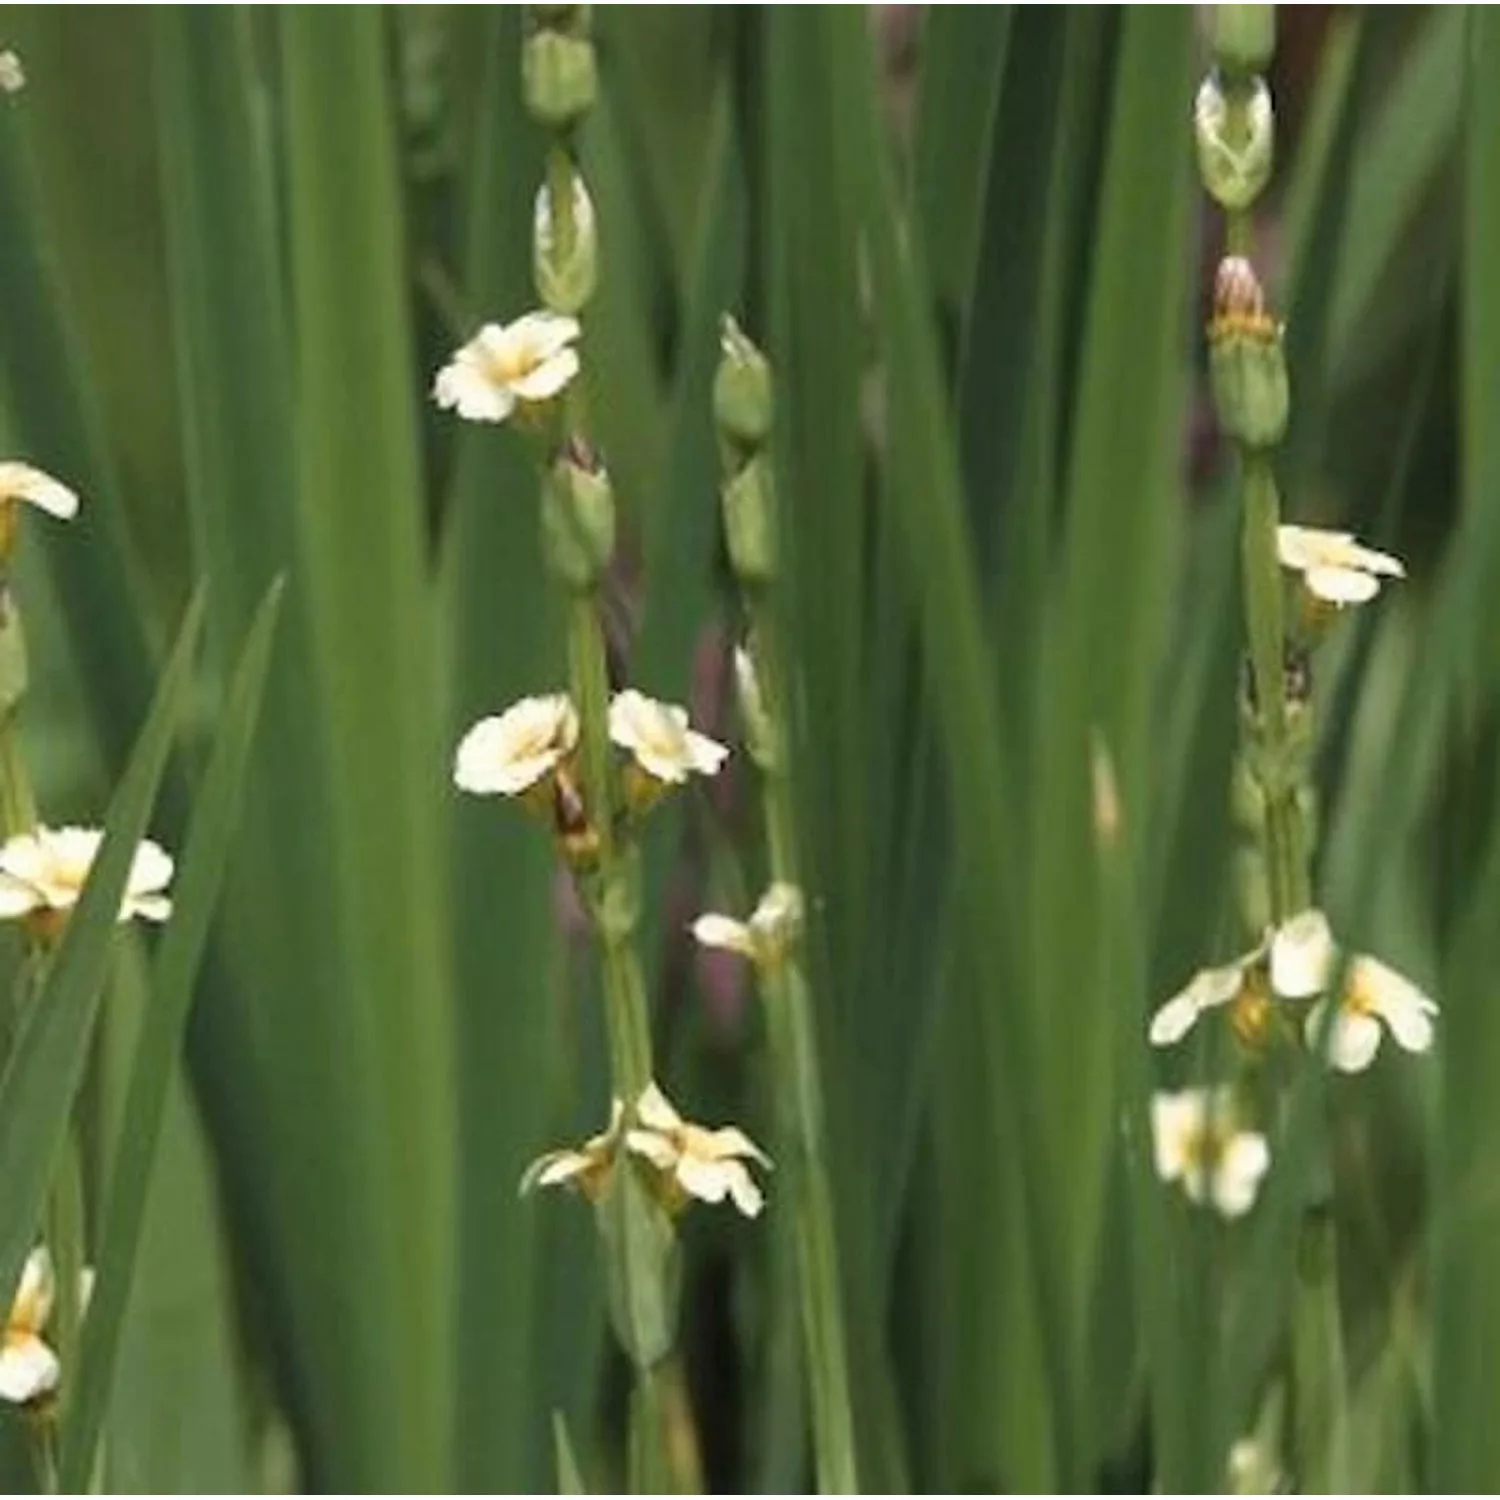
point(514, 362)
point(1250, 1012)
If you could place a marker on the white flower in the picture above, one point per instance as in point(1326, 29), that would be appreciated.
point(705, 1164)
point(1333, 565)
point(20, 481)
point(765, 938)
point(1239, 984)
point(584, 1167)
point(531, 359)
point(29, 1367)
point(45, 870)
point(658, 736)
point(1304, 960)
point(1198, 1144)
point(12, 74)
point(515, 750)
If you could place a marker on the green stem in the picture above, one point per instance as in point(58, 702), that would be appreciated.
point(609, 890)
point(794, 1062)
point(17, 806)
point(65, 1236)
point(1285, 852)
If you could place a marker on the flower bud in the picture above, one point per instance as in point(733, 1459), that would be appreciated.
point(566, 273)
point(1243, 38)
point(749, 523)
point(755, 714)
point(742, 389)
point(559, 78)
point(1246, 360)
point(1236, 136)
point(578, 517)
point(13, 673)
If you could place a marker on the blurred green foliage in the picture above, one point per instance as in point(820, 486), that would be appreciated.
point(237, 243)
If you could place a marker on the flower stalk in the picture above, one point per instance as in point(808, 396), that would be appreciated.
point(742, 401)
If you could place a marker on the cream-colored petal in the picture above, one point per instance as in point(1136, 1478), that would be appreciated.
point(1396, 1000)
point(548, 378)
point(705, 755)
point(20, 481)
point(1242, 1163)
point(510, 752)
point(1205, 990)
point(34, 1295)
point(12, 74)
point(16, 897)
point(28, 1368)
point(464, 388)
point(654, 1110)
point(152, 908)
point(708, 1181)
point(1173, 1020)
point(554, 1169)
point(1176, 1119)
point(658, 1149)
point(542, 334)
point(1341, 586)
point(1354, 1041)
point(745, 1191)
point(1302, 956)
point(715, 931)
point(23, 859)
point(730, 1141)
point(151, 869)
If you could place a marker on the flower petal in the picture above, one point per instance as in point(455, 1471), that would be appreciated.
point(704, 754)
point(152, 907)
point(33, 1305)
point(1205, 990)
point(1396, 1000)
point(28, 1368)
point(730, 1141)
point(1242, 1163)
point(16, 897)
point(1175, 1117)
point(553, 1169)
point(655, 1112)
point(1302, 956)
point(1354, 1042)
point(20, 481)
point(713, 930)
point(1342, 585)
point(548, 378)
point(658, 1149)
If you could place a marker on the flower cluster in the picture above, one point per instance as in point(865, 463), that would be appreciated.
point(683, 1160)
point(1299, 961)
point(1197, 1139)
point(529, 750)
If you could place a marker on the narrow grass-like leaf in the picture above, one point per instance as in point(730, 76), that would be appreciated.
point(569, 1476)
point(44, 1070)
point(195, 896)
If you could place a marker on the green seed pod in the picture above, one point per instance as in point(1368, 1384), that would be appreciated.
point(761, 739)
point(643, 1267)
point(566, 275)
point(13, 673)
point(1243, 38)
point(559, 78)
point(1235, 130)
point(742, 389)
point(1246, 359)
point(749, 523)
point(578, 518)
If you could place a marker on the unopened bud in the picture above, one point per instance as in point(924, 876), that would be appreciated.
point(566, 271)
point(559, 78)
point(1246, 359)
point(755, 713)
point(13, 672)
point(1243, 37)
point(1236, 135)
point(578, 517)
point(749, 523)
point(742, 388)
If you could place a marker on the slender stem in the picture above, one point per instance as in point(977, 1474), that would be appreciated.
point(794, 1060)
point(608, 893)
point(17, 806)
